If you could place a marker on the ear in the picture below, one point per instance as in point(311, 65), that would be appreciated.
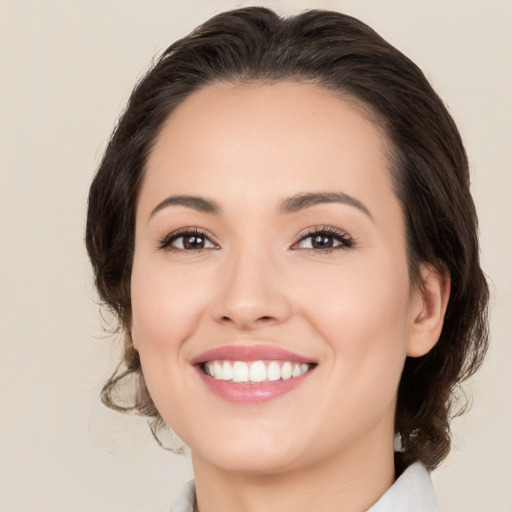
point(429, 310)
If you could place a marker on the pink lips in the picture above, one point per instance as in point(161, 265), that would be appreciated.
point(249, 353)
point(251, 392)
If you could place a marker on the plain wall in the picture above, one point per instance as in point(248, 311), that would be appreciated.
point(67, 68)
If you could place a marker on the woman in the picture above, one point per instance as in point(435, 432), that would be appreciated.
point(282, 223)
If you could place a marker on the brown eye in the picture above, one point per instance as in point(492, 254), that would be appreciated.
point(322, 242)
point(319, 241)
point(187, 241)
point(325, 240)
point(190, 242)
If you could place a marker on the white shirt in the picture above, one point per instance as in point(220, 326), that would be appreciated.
point(413, 491)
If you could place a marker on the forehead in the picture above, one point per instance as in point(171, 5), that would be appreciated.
point(268, 139)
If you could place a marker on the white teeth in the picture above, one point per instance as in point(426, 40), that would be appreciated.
point(217, 369)
point(286, 371)
point(240, 372)
point(257, 371)
point(274, 371)
point(227, 371)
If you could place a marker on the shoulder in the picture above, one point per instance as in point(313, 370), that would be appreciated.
point(186, 501)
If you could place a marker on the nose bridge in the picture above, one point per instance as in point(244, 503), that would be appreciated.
point(251, 292)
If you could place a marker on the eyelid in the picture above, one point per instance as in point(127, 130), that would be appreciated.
point(346, 241)
point(167, 240)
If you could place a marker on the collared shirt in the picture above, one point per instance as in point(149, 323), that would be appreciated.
point(413, 491)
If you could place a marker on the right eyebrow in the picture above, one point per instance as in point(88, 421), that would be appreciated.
point(200, 204)
point(308, 199)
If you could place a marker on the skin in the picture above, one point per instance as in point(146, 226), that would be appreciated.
point(257, 280)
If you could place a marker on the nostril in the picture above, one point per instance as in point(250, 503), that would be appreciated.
point(266, 317)
point(246, 324)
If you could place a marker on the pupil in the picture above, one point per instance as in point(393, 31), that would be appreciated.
point(322, 241)
point(193, 242)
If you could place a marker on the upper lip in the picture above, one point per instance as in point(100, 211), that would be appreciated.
point(249, 353)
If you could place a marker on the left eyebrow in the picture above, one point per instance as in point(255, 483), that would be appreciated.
point(306, 200)
point(200, 204)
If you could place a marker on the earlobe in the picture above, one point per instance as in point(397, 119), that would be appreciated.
point(430, 309)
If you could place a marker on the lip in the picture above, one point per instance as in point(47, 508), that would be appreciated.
point(254, 392)
point(250, 353)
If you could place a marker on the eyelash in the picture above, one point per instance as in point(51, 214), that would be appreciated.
point(166, 242)
point(346, 242)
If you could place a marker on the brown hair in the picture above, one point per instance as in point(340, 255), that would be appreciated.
point(429, 169)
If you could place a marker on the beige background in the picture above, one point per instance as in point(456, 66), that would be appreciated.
point(66, 70)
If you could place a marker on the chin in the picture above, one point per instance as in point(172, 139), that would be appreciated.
point(252, 455)
point(255, 463)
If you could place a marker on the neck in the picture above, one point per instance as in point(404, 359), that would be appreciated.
point(351, 483)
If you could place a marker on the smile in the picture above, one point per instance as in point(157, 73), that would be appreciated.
point(245, 374)
point(256, 371)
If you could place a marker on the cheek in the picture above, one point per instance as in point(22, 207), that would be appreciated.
point(358, 296)
point(364, 313)
point(165, 311)
point(165, 307)
point(365, 318)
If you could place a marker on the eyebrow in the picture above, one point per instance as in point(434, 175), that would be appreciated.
point(293, 204)
point(197, 203)
point(306, 200)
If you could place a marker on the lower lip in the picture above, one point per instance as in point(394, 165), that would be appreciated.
point(251, 392)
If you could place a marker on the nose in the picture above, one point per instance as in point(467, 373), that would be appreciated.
point(251, 294)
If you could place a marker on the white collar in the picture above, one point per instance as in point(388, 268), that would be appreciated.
point(412, 492)
point(186, 500)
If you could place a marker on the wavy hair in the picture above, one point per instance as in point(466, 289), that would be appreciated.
point(429, 171)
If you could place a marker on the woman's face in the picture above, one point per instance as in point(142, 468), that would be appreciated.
point(269, 242)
